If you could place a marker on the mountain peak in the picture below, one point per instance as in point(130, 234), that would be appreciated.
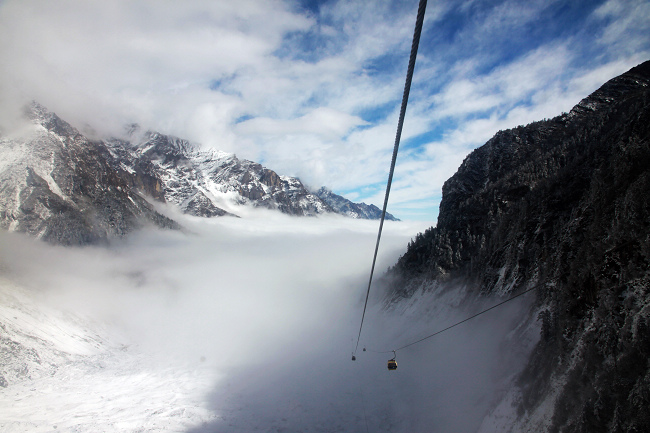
point(614, 89)
point(40, 115)
point(157, 145)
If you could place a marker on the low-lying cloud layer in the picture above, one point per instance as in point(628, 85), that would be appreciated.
point(272, 305)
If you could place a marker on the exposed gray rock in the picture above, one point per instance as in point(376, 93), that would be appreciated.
point(199, 181)
point(62, 187)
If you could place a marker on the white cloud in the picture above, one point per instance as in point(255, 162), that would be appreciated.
point(504, 87)
point(291, 89)
point(114, 52)
point(321, 121)
point(627, 26)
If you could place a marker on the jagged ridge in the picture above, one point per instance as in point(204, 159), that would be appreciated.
point(63, 187)
point(200, 181)
point(355, 210)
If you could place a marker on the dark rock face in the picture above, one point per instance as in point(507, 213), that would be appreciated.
point(355, 210)
point(64, 188)
point(61, 187)
point(170, 160)
point(564, 203)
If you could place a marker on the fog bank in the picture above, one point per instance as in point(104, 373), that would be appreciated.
point(272, 304)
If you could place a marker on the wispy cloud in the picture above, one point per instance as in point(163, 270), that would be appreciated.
point(626, 26)
point(313, 89)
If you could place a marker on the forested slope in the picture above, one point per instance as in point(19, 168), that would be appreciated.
point(563, 204)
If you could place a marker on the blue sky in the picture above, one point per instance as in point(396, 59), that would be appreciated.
point(312, 88)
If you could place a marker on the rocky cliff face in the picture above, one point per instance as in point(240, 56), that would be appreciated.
point(62, 187)
point(563, 204)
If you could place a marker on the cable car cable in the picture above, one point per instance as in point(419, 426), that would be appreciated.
point(407, 88)
point(469, 318)
point(459, 323)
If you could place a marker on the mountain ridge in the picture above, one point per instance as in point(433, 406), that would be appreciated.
point(349, 208)
point(562, 204)
point(109, 187)
point(60, 186)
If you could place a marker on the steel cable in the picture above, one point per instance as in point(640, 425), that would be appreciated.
point(407, 89)
point(460, 322)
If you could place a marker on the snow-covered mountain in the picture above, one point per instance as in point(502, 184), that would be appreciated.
point(60, 186)
point(203, 183)
point(346, 207)
point(63, 187)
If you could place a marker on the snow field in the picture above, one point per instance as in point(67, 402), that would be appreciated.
point(79, 377)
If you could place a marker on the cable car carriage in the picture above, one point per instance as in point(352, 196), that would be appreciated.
point(392, 364)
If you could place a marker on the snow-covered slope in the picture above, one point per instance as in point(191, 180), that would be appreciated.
point(204, 183)
point(60, 371)
point(59, 186)
point(355, 210)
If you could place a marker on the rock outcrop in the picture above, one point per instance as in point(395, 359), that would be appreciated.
point(563, 204)
point(62, 187)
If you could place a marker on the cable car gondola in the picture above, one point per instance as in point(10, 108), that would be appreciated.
point(392, 364)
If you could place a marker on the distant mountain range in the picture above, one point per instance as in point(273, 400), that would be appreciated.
point(63, 187)
point(355, 210)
